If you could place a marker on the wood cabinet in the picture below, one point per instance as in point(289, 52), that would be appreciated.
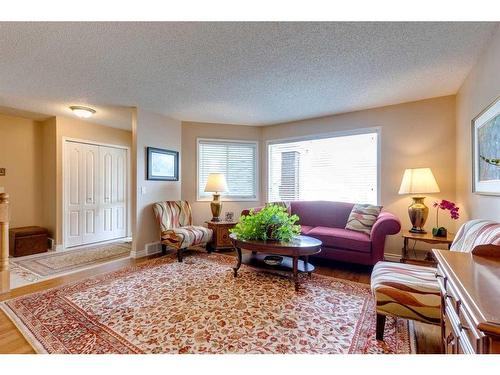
point(470, 301)
point(220, 238)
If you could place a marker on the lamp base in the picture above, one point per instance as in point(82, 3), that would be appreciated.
point(216, 207)
point(418, 213)
point(418, 231)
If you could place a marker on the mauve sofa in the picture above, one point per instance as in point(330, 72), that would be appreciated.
point(326, 221)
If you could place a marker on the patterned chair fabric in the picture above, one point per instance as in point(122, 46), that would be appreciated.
point(411, 291)
point(474, 233)
point(407, 291)
point(176, 229)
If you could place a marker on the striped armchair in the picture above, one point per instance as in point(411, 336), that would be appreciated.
point(176, 227)
point(412, 292)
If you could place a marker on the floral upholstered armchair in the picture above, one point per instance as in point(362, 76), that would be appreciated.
point(176, 227)
point(412, 292)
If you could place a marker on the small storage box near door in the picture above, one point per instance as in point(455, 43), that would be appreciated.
point(27, 241)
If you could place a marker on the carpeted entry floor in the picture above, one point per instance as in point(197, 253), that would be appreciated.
point(197, 306)
point(31, 269)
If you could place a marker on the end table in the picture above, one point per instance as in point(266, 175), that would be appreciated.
point(220, 238)
point(427, 238)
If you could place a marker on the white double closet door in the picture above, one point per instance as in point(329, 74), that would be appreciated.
point(95, 193)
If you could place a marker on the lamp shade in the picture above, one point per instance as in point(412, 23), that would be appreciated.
point(418, 181)
point(216, 183)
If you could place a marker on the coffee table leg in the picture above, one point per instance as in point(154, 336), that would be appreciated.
point(296, 272)
point(238, 265)
point(306, 265)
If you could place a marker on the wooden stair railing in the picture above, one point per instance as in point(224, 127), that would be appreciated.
point(4, 243)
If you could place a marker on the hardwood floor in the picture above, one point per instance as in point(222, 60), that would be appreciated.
point(12, 341)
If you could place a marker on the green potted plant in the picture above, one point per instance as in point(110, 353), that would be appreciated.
point(272, 223)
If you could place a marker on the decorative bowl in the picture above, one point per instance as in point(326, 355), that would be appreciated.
point(273, 260)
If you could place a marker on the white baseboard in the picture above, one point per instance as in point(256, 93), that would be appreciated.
point(138, 253)
point(391, 257)
point(150, 249)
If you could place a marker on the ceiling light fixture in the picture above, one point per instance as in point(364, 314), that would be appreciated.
point(82, 112)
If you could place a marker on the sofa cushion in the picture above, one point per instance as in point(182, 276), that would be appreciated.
point(304, 229)
point(342, 238)
point(362, 217)
point(322, 213)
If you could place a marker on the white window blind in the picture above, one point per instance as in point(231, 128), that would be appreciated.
point(237, 160)
point(341, 168)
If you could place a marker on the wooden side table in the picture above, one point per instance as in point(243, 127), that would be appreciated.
point(427, 238)
point(220, 238)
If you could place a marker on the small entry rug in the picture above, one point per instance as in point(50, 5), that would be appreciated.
point(197, 306)
point(35, 268)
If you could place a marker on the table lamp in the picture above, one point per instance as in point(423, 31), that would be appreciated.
point(216, 184)
point(418, 181)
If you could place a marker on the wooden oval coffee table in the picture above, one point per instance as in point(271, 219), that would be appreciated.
point(299, 247)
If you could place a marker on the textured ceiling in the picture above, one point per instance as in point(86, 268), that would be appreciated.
point(240, 73)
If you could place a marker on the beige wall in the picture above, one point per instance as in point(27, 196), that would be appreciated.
point(21, 154)
point(153, 130)
point(190, 132)
point(49, 183)
point(480, 89)
point(416, 134)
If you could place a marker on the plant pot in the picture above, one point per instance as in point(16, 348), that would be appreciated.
point(271, 233)
point(439, 232)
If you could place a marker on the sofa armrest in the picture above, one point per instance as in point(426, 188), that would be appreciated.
point(386, 224)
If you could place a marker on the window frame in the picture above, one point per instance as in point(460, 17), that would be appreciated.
point(229, 198)
point(341, 133)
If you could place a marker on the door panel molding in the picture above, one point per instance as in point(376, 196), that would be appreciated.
point(96, 192)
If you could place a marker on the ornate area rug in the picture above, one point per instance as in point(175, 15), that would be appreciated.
point(64, 261)
point(197, 306)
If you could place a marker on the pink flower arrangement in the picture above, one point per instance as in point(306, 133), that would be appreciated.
point(446, 206)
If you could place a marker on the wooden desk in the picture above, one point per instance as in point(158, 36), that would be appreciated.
point(470, 301)
point(427, 238)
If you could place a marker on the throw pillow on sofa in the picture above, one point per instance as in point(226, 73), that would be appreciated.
point(362, 217)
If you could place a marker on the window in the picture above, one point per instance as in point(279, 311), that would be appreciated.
point(336, 168)
point(236, 159)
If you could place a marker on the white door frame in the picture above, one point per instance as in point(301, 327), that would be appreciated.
point(64, 190)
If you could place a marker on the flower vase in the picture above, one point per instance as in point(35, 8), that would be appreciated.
point(439, 232)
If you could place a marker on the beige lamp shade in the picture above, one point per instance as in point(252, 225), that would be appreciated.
point(418, 181)
point(216, 183)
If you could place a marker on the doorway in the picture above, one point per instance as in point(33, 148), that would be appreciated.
point(95, 193)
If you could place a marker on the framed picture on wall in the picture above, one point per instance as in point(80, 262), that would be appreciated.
point(162, 165)
point(486, 151)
